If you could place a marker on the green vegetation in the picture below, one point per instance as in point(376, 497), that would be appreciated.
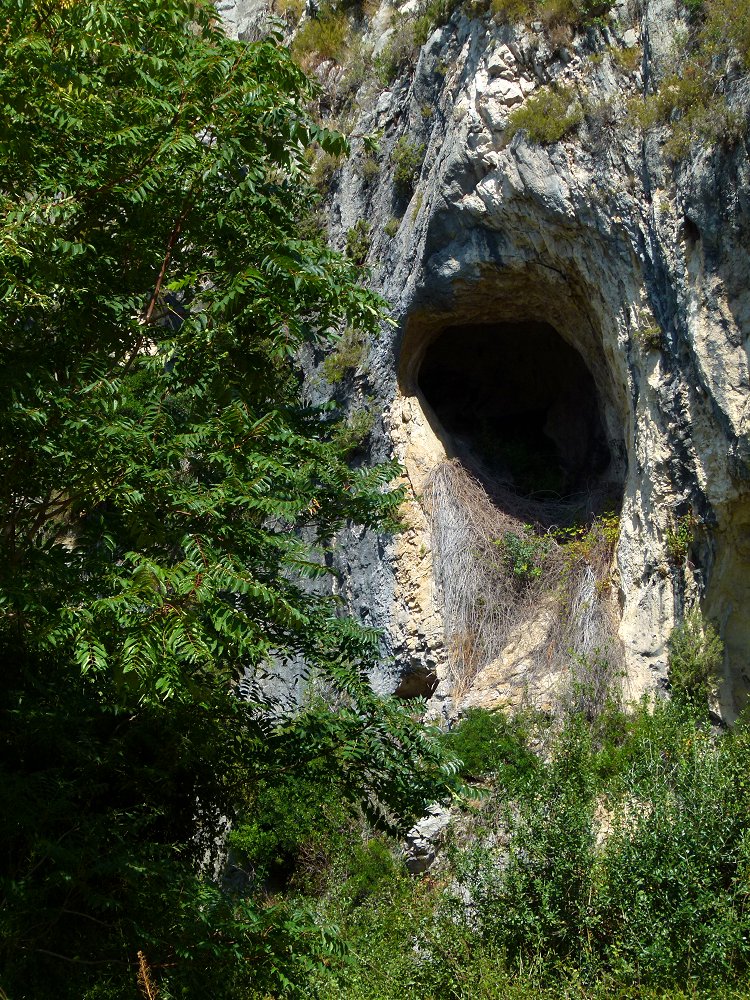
point(583, 542)
point(326, 36)
point(692, 99)
point(347, 354)
point(626, 59)
point(167, 491)
point(433, 14)
point(369, 169)
point(547, 116)
point(488, 743)
point(391, 227)
point(323, 169)
point(679, 538)
point(411, 32)
point(160, 472)
point(358, 240)
point(695, 656)
point(553, 14)
point(352, 434)
point(610, 863)
point(524, 553)
point(407, 158)
point(649, 334)
point(400, 50)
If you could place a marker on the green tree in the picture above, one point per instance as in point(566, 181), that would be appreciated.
point(159, 473)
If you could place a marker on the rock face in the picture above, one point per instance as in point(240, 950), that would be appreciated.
point(640, 266)
point(425, 839)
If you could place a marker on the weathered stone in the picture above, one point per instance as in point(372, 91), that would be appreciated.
point(425, 838)
point(598, 236)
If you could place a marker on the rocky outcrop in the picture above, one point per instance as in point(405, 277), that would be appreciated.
point(639, 265)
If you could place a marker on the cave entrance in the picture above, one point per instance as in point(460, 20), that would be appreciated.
point(519, 407)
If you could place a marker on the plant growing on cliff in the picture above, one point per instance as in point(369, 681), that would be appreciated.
point(648, 333)
point(358, 241)
point(554, 14)
point(695, 655)
point(326, 36)
point(488, 742)
point(547, 115)
point(159, 466)
point(523, 553)
point(347, 354)
point(407, 158)
point(695, 100)
point(391, 227)
point(679, 538)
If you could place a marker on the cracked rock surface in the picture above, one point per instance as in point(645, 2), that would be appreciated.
point(601, 237)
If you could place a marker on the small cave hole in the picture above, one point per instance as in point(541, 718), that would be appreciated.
point(417, 683)
point(692, 233)
point(519, 407)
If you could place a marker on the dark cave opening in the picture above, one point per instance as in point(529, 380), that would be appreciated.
point(519, 407)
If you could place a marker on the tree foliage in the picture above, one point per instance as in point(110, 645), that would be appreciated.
point(160, 470)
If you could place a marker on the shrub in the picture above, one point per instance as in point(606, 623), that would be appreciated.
point(358, 241)
point(391, 227)
point(554, 14)
point(323, 168)
point(546, 116)
point(595, 685)
point(489, 743)
point(592, 543)
point(290, 10)
point(650, 337)
point(668, 887)
point(407, 157)
point(511, 11)
point(679, 538)
point(524, 554)
point(323, 37)
point(293, 830)
point(693, 100)
point(369, 169)
point(727, 26)
point(695, 656)
point(400, 50)
point(347, 356)
point(537, 908)
point(433, 14)
point(352, 434)
point(626, 59)
point(615, 872)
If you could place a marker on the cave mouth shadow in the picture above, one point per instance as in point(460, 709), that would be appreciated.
point(517, 405)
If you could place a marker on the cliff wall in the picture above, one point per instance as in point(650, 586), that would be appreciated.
point(508, 261)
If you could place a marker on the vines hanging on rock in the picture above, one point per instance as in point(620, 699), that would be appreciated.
point(497, 573)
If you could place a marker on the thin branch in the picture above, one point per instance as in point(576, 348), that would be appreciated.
point(171, 243)
point(80, 961)
point(86, 916)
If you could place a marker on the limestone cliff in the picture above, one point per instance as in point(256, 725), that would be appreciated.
point(587, 296)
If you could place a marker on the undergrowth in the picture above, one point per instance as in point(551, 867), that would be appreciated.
point(610, 861)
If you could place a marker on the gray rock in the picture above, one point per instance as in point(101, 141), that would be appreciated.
point(425, 838)
point(598, 236)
